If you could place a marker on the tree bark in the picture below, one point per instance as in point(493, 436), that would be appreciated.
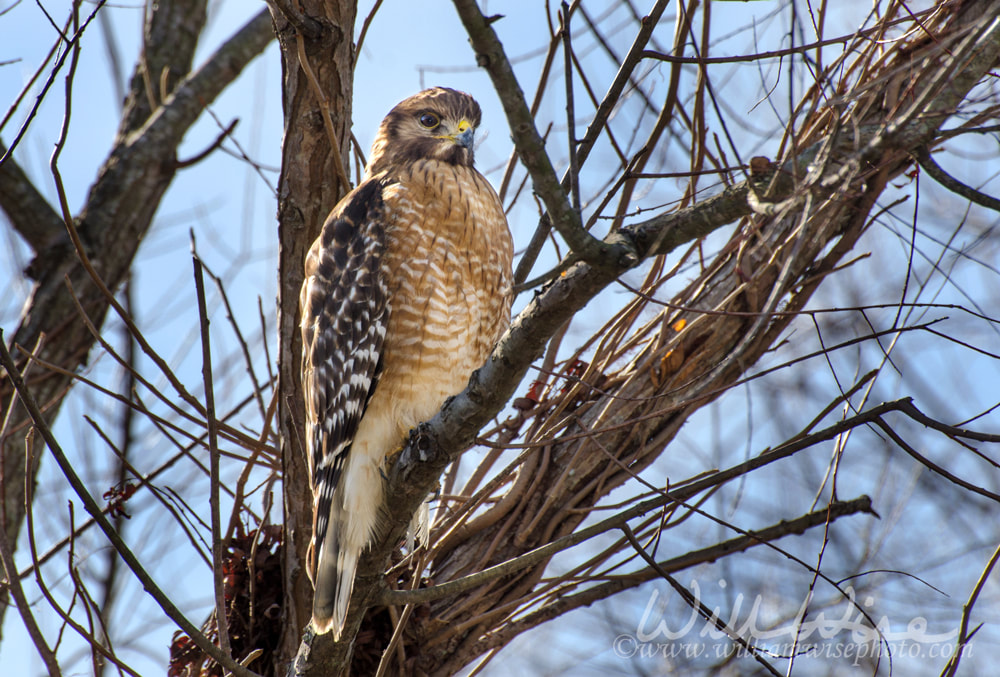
point(322, 32)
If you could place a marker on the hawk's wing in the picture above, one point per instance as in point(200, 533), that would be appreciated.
point(344, 303)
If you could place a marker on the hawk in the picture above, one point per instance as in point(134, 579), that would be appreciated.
point(406, 290)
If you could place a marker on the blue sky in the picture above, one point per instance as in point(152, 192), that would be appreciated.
point(231, 210)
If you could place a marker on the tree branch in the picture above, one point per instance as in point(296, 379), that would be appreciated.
point(830, 187)
point(964, 635)
point(696, 604)
point(95, 511)
point(612, 252)
point(567, 603)
point(13, 584)
point(29, 212)
point(541, 554)
point(949, 182)
point(117, 214)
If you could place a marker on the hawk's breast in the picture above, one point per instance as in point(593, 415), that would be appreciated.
point(448, 267)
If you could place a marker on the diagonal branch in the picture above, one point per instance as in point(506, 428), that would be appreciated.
point(830, 187)
point(696, 604)
point(118, 212)
point(948, 181)
point(29, 212)
point(611, 252)
point(741, 543)
point(95, 511)
point(543, 553)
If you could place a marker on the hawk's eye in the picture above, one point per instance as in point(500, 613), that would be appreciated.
point(429, 120)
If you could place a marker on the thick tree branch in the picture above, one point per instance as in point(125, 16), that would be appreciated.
point(169, 39)
point(28, 211)
point(818, 175)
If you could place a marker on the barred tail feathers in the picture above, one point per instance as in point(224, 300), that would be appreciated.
point(334, 576)
point(352, 521)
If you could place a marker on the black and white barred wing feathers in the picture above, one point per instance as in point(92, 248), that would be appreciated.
point(407, 289)
point(344, 303)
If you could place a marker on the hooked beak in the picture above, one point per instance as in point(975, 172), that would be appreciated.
point(465, 135)
point(466, 138)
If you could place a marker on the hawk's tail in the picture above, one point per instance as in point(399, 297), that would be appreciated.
point(333, 578)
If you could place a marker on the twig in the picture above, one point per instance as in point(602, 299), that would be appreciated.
point(928, 164)
point(94, 612)
point(142, 482)
point(622, 78)
point(181, 164)
point(227, 431)
point(112, 569)
point(136, 334)
point(695, 603)
point(930, 464)
point(71, 49)
point(90, 505)
point(67, 114)
point(21, 601)
point(397, 634)
point(364, 27)
point(574, 164)
point(36, 566)
point(244, 347)
point(531, 149)
point(221, 613)
point(247, 468)
point(779, 53)
point(241, 154)
point(963, 634)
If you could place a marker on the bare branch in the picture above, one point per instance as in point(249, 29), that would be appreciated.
point(13, 584)
point(117, 214)
point(531, 148)
point(28, 211)
point(963, 635)
point(94, 510)
point(213, 446)
point(928, 164)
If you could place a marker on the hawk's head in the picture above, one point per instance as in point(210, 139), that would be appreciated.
point(437, 123)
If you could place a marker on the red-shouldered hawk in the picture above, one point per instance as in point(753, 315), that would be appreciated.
point(406, 290)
